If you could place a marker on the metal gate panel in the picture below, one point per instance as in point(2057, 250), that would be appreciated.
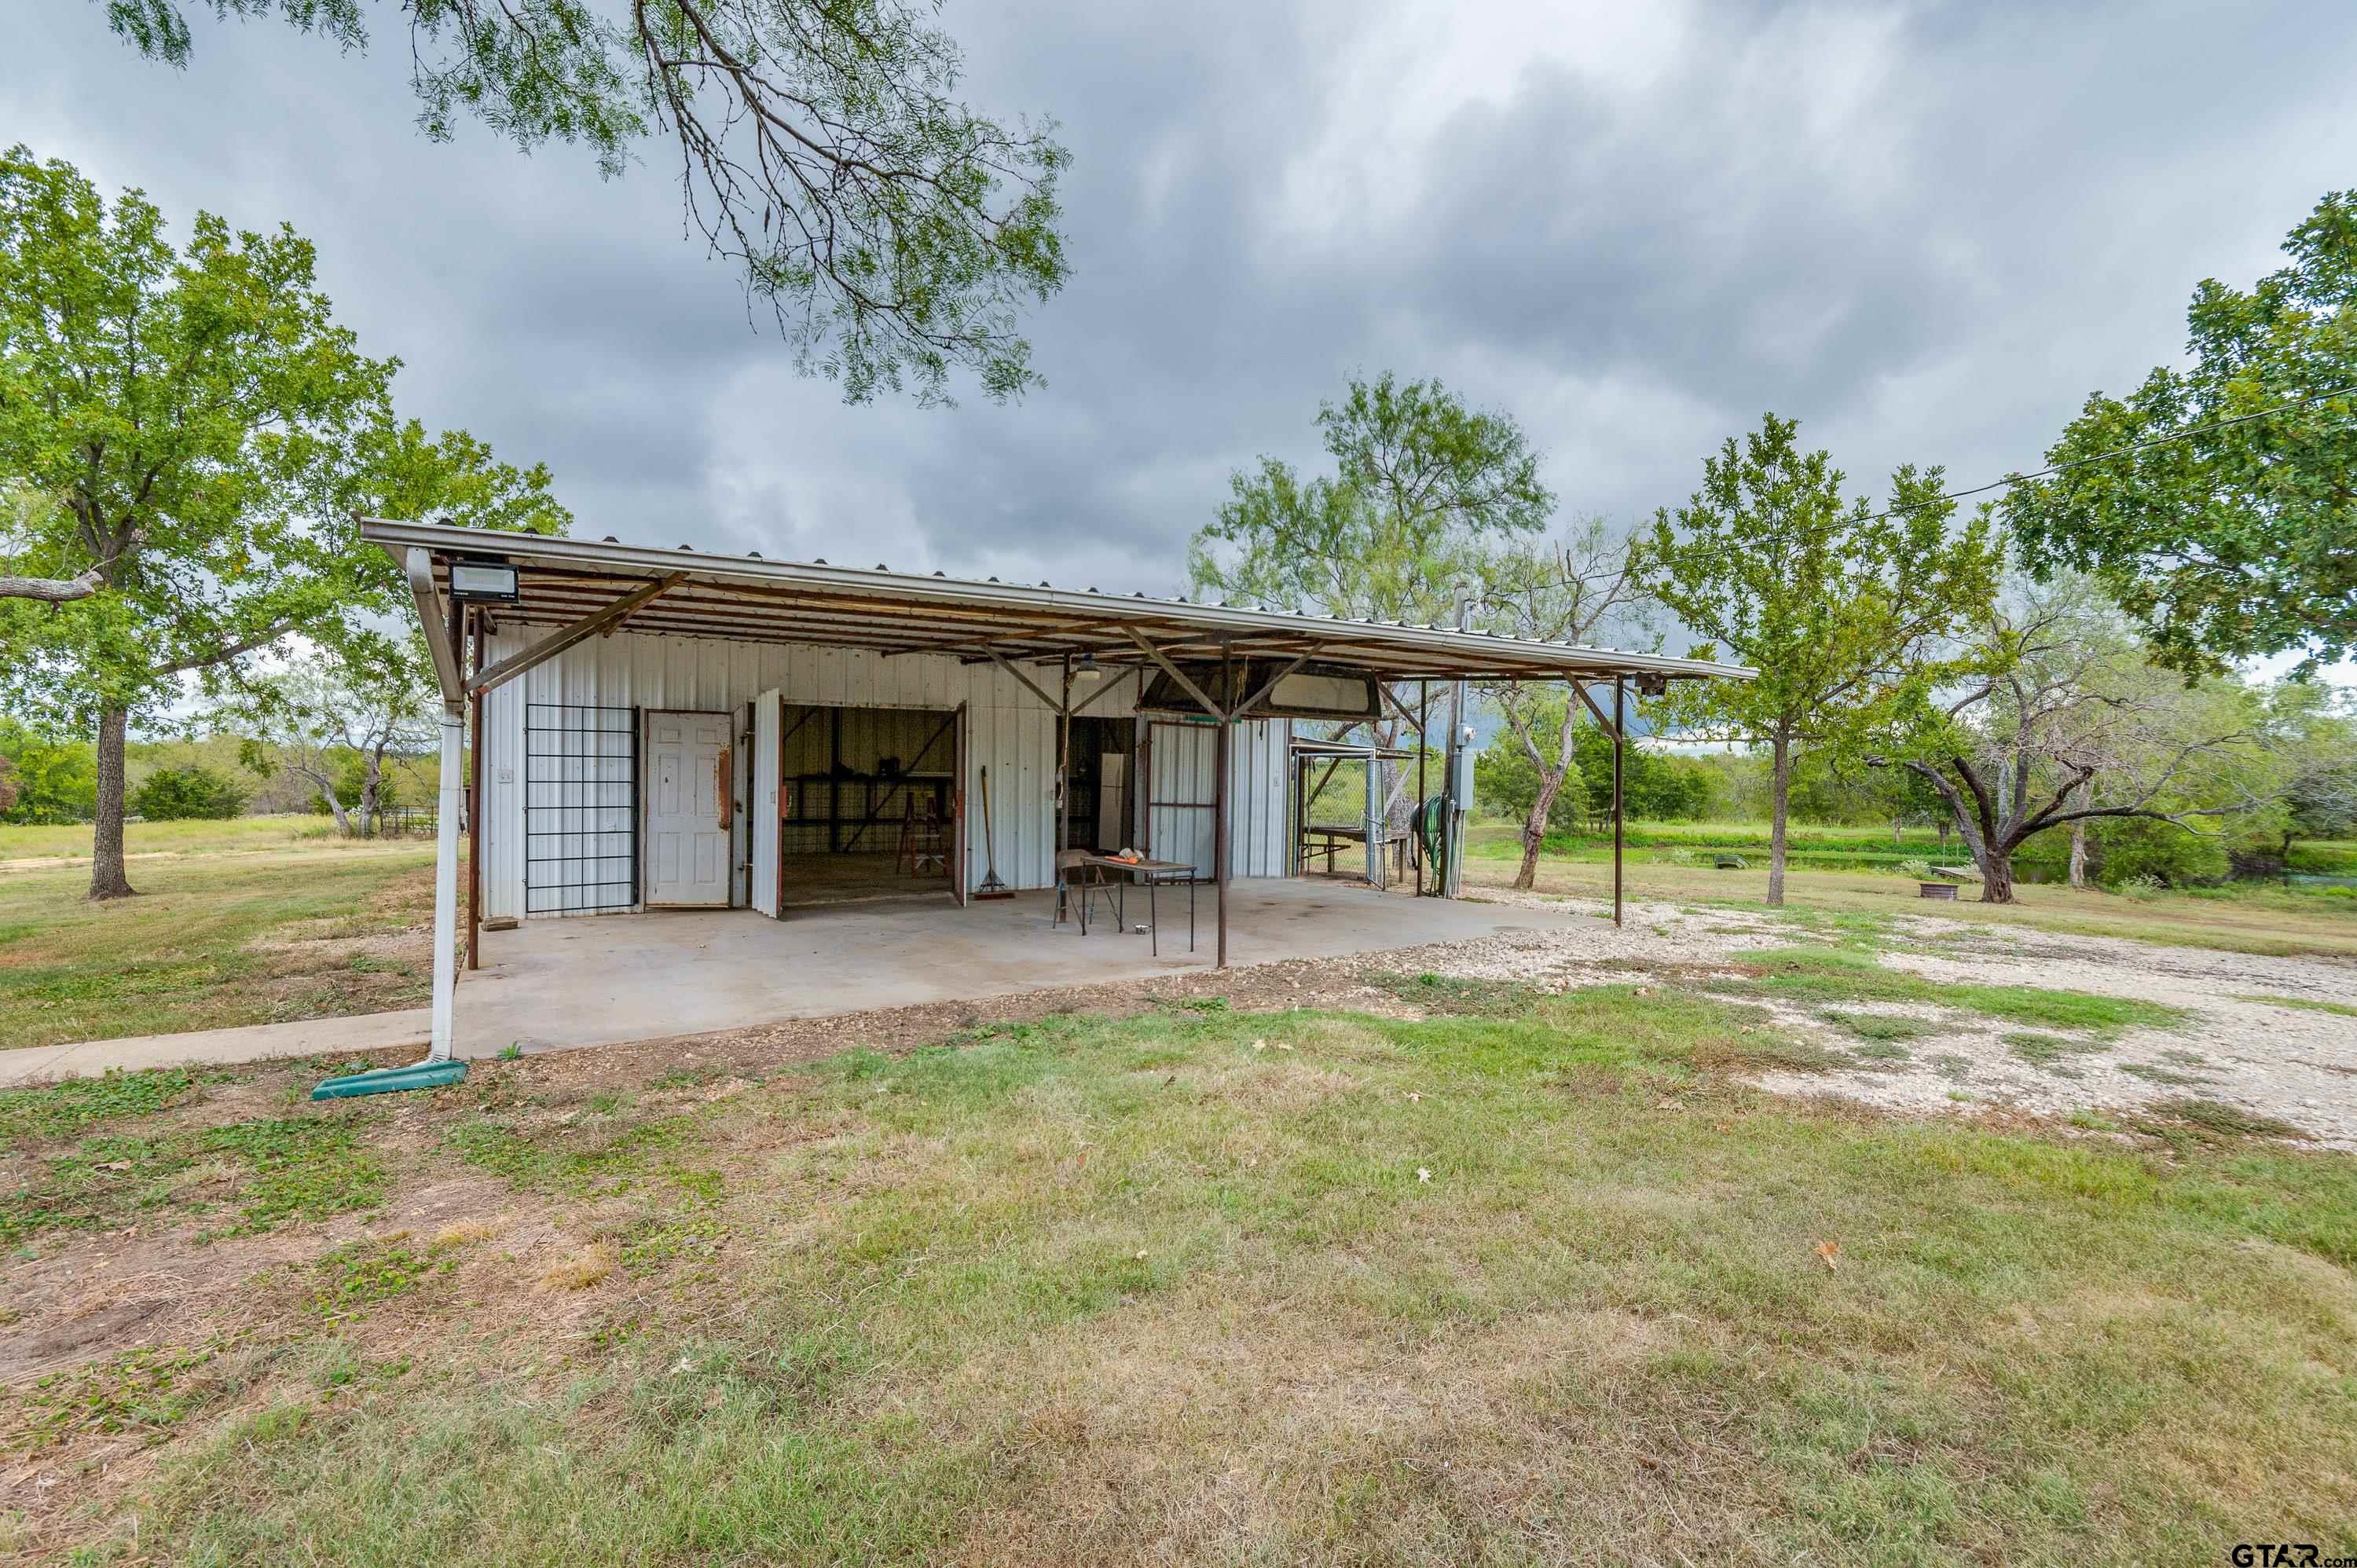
point(580, 808)
point(1181, 812)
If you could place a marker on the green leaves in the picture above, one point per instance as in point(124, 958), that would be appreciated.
point(2241, 538)
point(191, 431)
point(1422, 487)
point(895, 234)
point(194, 425)
point(1843, 610)
point(158, 26)
point(183, 412)
point(1839, 606)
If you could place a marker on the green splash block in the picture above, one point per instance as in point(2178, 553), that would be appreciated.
point(392, 1079)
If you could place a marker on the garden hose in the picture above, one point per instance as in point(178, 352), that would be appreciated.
point(1431, 826)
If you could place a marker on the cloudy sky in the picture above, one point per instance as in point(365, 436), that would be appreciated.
point(1926, 231)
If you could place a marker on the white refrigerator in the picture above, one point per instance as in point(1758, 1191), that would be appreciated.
point(1113, 796)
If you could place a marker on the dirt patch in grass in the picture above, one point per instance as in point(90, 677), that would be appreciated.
point(1432, 994)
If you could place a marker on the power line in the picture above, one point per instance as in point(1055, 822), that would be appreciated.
point(2012, 480)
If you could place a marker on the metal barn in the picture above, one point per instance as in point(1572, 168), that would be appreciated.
point(667, 729)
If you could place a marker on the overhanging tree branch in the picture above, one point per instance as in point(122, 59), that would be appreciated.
point(53, 590)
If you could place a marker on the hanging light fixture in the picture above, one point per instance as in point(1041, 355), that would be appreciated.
point(1085, 668)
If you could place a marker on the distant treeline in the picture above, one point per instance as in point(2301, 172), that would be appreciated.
point(56, 778)
point(1728, 792)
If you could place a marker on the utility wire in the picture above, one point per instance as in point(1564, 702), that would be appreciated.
point(2012, 480)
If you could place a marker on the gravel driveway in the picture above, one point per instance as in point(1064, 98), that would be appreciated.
point(2246, 1044)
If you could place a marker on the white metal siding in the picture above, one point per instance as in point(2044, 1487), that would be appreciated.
point(1257, 798)
point(1007, 727)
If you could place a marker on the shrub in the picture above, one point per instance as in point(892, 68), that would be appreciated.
point(176, 794)
point(1657, 786)
point(1505, 782)
point(2133, 850)
point(56, 781)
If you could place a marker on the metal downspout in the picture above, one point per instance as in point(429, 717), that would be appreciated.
point(446, 882)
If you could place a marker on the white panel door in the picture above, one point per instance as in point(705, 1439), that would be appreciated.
point(687, 849)
point(768, 733)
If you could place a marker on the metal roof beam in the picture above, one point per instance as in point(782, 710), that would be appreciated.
point(1608, 726)
point(561, 611)
point(1176, 674)
point(422, 588)
point(581, 630)
point(1053, 706)
point(1093, 698)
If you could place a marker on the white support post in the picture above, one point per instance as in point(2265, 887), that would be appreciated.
point(445, 886)
point(1373, 820)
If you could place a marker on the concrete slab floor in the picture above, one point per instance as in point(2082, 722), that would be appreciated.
point(606, 979)
point(603, 979)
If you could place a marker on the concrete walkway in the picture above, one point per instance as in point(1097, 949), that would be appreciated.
point(246, 1043)
point(603, 980)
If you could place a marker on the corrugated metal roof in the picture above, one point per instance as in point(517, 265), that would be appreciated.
point(748, 598)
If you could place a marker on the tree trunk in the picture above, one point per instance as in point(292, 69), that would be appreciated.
point(1780, 794)
point(327, 793)
point(107, 880)
point(1534, 827)
point(1997, 877)
point(2079, 842)
point(371, 780)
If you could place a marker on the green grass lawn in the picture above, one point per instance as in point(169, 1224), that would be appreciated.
point(1527, 1279)
point(71, 841)
point(294, 929)
point(2258, 919)
point(1835, 846)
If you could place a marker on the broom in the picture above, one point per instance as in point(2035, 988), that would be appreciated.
point(992, 888)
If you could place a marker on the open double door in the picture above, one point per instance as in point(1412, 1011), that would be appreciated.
point(776, 789)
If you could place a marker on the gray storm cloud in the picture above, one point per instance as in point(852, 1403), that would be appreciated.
point(1927, 231)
